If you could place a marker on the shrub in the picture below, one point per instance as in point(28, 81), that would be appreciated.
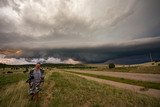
point(111, 65)
point(9, 72)
point(25, 71)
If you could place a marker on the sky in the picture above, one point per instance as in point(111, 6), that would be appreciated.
point(79, 31)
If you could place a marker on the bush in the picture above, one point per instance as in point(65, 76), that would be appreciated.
point(9, 72)
point(25, 71)
point(111, 65)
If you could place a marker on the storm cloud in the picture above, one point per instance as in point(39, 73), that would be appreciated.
point(98, 54)
point(88, 31)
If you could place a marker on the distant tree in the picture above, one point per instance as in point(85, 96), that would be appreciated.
point(3, 66)
point(111, 65)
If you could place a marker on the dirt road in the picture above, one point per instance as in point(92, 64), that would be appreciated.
point(134, 88)
point(133, 76)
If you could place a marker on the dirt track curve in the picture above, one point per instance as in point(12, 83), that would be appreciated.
point(134, 88)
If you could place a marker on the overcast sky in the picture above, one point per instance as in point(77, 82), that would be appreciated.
point(79, 31)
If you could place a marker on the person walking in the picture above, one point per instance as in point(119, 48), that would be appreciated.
point(35, 78)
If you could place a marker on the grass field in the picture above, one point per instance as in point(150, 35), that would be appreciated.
point(63, 89)
point(7, 79)
point(123, 80)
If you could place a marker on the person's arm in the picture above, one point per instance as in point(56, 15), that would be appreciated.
point(30, 76)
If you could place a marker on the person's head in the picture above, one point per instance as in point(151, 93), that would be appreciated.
point(37, 66)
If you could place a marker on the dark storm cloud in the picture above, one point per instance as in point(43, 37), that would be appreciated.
point(95, 54)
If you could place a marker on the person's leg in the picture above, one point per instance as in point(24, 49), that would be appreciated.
point(36, 91)
point(31, 88)
point(37, 88)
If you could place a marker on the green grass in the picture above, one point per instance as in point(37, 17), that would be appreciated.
point(6, 79)
point(74, 91)
point(122, 80)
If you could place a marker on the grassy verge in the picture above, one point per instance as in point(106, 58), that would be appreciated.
point(122, 80)
point(73, 91)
